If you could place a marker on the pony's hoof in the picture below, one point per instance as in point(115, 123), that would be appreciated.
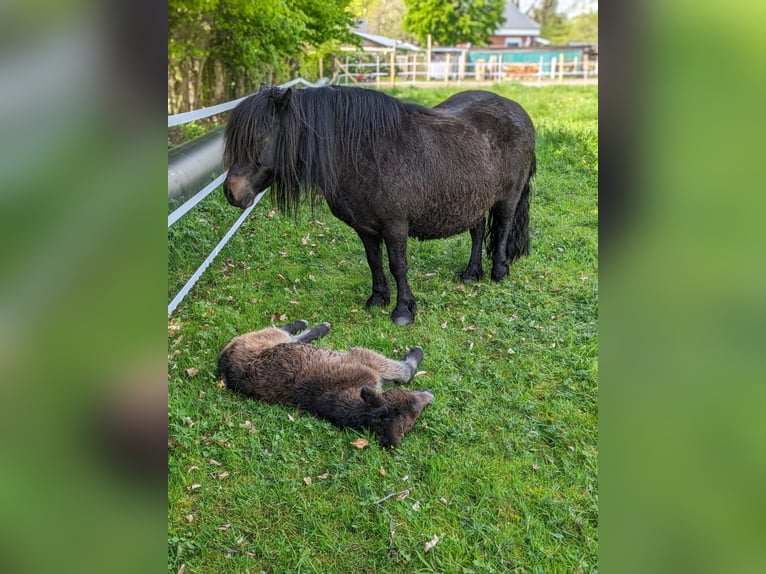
point(376, 301)
point(471, 275)
point(402, 316)
point(499, 272)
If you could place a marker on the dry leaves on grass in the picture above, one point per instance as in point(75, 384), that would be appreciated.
point(360, 442)
point(431, 543)
point(192, 371)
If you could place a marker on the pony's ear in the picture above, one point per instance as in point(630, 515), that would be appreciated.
point(282, 98)
point(263, 87)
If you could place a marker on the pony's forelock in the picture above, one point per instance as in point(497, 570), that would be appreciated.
point(252, 118)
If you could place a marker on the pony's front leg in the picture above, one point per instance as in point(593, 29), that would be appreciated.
point(396, 244)
point(474, 271)
point(381, 294)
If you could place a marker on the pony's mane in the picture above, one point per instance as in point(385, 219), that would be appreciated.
point(320, 130)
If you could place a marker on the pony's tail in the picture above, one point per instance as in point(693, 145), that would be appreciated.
point(518, 238)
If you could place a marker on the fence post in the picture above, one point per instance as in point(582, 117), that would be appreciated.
point(561, 68)
point(540, 72)
point(585, 68)
point(377, 71)
point(393, 67)
point(428, 59)
point(446, 70)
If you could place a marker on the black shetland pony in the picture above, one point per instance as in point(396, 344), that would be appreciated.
point(390, 170)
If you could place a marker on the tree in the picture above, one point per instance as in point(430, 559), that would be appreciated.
point(584, 28)
point(384, 17)
point(219, 49)
point(553, 26)
point(450, 23)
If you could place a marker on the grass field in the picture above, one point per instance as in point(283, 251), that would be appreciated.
point(502, 467)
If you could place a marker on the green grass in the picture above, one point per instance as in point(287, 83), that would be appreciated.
point(503, 464)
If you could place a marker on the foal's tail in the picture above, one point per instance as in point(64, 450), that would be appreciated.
point(518, 238)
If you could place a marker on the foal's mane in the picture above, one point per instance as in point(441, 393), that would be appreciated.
point(320, 132)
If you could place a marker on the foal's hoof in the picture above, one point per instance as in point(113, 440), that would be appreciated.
point(415, 356)
point(323, 328)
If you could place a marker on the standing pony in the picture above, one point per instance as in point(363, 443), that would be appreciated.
point(390, 170)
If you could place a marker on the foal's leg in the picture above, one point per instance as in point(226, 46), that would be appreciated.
point(294, 327)
point(474, 271)
point(380, 292)
point(316, 332)
point(390, 370)
point(396, 244)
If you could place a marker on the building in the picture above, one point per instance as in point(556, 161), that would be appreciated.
point(517, 30)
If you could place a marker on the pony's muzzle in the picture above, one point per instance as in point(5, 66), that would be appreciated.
point(237, 191)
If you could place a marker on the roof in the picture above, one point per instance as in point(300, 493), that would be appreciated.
point(514, 21)
point(384, 42)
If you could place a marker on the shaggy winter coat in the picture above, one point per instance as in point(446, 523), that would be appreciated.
point(272, 366)
point(390, 170)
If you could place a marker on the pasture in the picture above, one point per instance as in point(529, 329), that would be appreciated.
point(500, 472)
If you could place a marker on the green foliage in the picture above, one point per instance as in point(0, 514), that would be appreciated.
point(584, 28)
point(559, 29)
point(219, 43)
point(502, 467)
point(450, 23)
point(384, 17)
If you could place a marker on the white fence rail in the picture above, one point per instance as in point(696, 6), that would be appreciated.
point(455, 67)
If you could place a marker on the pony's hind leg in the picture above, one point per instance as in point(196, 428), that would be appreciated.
point(509, 228)
point(294, 327)
point(381, 294)
point(501, 217)
point(474, 271)
point(316, 332)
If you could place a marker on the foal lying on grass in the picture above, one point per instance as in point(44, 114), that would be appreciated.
point(275, 365)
